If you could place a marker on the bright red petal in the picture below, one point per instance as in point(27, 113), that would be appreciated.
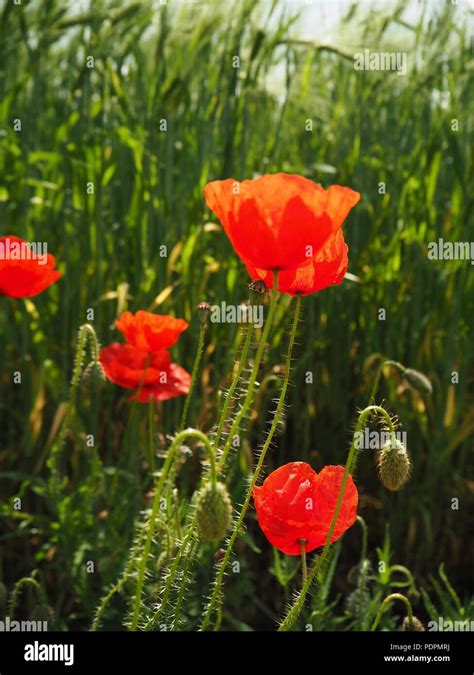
point(278, 221)
point(150, 332)
point(24, 278)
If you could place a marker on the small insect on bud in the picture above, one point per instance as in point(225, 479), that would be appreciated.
point(413, 625)
point(258, 290)
point(418, 381)
point(393, 464)
point(213, 511)
point(203, 309)
point(94, 376)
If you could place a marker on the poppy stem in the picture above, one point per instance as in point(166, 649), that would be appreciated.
point(151, 434)
point(144, 557)
point(230, 394)
point(86, 335)
point(388, 600)
point(394, 364)
point(304, 566)
point(316, 572)
point(253, 377)
point(216, 593)
point(194, 374)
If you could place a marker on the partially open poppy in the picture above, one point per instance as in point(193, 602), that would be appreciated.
point(23, 276)
point(295, 503)
point(327, 268)
point(279, 221)
point(150, 332)
point(151, 374)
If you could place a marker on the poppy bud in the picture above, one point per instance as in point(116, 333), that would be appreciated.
point(413, 625)
point(94, 376)
point(418, 381)
point(203, 309)
point(213, 511)
point(393, 464)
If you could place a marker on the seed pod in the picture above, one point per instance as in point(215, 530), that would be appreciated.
point(413, 625)
point(213, 511)
point(94, 376)
point(203, 309)
point(393, 464)
point(418, 381)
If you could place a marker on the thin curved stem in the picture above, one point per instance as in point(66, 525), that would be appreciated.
point(388, 600)
point(276, 420)
point(394, 364)
point(230, 394)
point(194, 374)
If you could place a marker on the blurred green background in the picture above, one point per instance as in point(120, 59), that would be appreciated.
point(158, 111)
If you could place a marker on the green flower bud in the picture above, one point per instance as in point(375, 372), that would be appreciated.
point(213, 511)
point(94, 376)
point(393, 464)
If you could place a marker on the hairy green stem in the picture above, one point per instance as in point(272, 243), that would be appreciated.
point(253, 377)
point(394, 364)
point(276, 420)
point(235, 381)
point(86, 334)
point(187, 433)
point(194, 374)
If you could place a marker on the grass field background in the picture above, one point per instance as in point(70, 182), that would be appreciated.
point(157, 66)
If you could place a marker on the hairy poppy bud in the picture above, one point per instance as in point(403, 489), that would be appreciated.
point(413, 625)
point(203, 309)
point(213, 511)
point(418, 381)
point(94, 376)
point(393, 464)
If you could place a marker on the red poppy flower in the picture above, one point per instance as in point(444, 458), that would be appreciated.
point(297, 503)
point(327, 268)
point(151, 374)
point(21, 277)
point(279, 221)
point(150, 332)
